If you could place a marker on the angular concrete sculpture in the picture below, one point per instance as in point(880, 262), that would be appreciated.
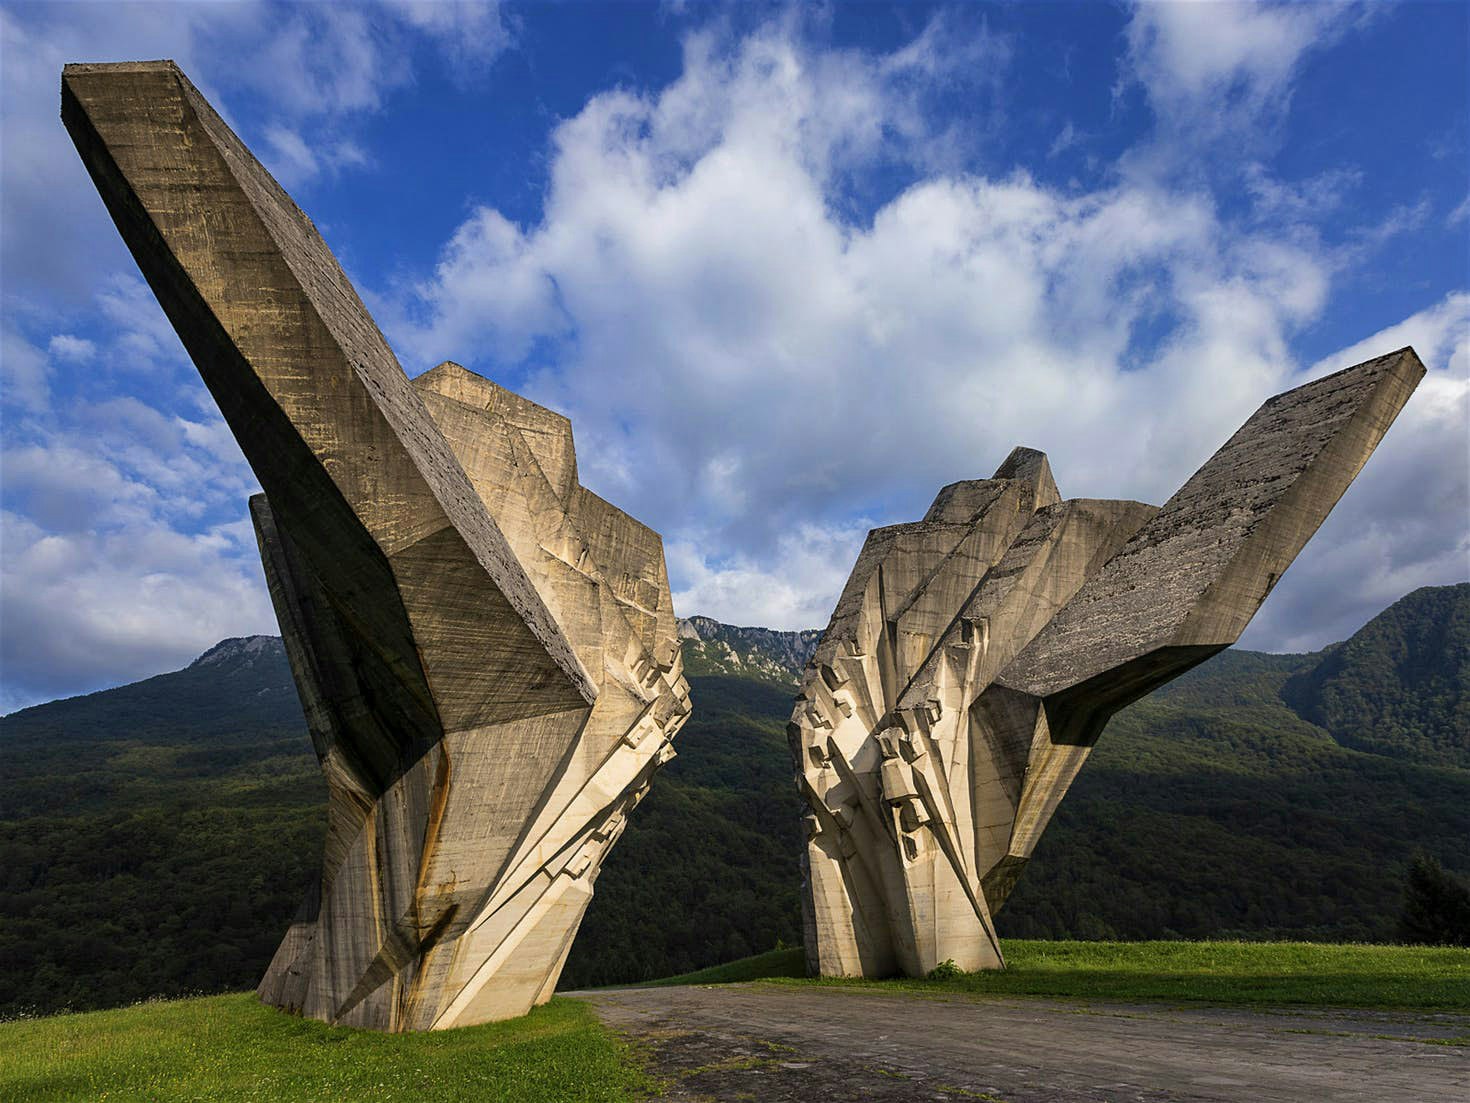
point(975, 656)
point(485, 650)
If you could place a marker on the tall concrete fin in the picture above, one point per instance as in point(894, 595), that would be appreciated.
point(486, 653)
point(936, 735)
point(308, 384)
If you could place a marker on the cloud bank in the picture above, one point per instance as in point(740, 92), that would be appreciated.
point(784, 298)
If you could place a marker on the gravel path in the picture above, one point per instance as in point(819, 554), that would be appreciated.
point(773, 1044)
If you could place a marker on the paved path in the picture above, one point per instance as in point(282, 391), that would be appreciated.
point(774, 1044)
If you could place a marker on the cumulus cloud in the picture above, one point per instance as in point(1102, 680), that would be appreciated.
point(740, 357)
point(86, 609)
point(1405, 522)
point(75, 350)
point(24, 375)
point(747, 365)
point(794, 591)
point(1208, 68)
point(756, 363)
point(125, 549)
point(323, 64)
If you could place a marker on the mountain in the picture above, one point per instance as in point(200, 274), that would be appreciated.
point(712, 648)
point(1401, 686)
point(155, 838)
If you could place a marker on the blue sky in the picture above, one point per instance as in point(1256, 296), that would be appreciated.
point(788, 269)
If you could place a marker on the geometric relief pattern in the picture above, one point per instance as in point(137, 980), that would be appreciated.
point(975, 656)
point(486, 651)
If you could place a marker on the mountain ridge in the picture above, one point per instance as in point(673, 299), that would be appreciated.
point(712, 647)
point(1354, 689)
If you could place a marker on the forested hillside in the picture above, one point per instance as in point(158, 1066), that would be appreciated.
point(1401, 686)
point(155, 838)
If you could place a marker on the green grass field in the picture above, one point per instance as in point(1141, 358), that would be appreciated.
point(1260, 973)
point(772, 963)
point(233, 1048)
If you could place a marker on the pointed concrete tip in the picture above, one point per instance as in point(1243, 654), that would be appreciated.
point(1372, 367)
point(1032, 466)
point(1022, 463)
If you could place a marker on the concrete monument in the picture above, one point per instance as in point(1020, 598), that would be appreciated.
point(485, 650)
point(975, 657)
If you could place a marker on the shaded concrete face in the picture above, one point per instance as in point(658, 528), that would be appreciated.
point(486, 651)
point(975, 656)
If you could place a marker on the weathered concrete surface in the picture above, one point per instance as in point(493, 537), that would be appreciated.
point(486, 651)
point(976, 655)
point(774, 1044)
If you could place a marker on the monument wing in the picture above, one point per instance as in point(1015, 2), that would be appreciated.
point(486, 652)
point(975, 656)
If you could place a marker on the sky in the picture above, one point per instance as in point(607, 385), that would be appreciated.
point(789, 270)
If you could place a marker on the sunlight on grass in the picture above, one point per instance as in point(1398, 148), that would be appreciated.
point(1264, 973)
point(772, 963)
point(233, 1048)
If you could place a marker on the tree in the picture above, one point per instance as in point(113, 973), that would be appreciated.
point(1436, 906)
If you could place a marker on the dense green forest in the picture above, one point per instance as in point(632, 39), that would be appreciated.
point(155, 838)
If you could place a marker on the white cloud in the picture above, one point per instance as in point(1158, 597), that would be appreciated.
point(322, 64)
point(1405, 521)
point(124, 545)
point(1228, 64)
point(811, 565)
point(84, 609)
point(74, 350)
point(293, 161)
point(24, 377)
point(471, 33)
point(746, 366)
point(1065, 140)
point(124, 549)
point(1306, 200)
point(749, 362)
point(741, 359)
point(326, 59)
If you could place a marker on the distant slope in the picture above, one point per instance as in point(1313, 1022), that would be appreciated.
point(1401, 686)
point(707, 870)
point(1213, 810)
point(235, 706)
point(712, 648)
point(155, 838)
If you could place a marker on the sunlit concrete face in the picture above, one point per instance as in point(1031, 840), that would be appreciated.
point(975, 657)
point(486, 651)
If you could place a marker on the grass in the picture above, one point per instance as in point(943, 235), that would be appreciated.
point(233, 1048)
point(1227, 973)
point(772, 963)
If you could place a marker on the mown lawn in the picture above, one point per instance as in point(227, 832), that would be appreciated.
point(233, 1048)
point(1261, 973)
point(772, 963)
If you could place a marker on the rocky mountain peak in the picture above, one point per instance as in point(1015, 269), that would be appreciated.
point(240, 649)
point(712, 648)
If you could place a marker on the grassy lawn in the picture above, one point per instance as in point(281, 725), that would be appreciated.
point(772, 963)
point(1265, 973)
point(233, 1048)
